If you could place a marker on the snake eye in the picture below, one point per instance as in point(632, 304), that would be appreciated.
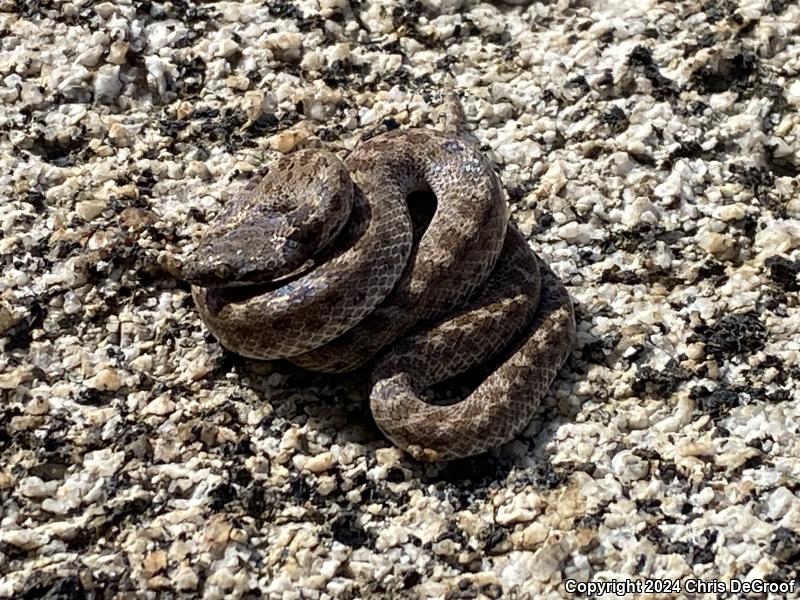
point(223, 271)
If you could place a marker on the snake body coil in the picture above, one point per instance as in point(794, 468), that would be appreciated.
point(319, 262)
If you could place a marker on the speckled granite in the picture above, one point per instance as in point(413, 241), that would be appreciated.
point(650, 151)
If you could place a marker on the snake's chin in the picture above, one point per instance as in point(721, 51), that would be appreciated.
point(258, 281)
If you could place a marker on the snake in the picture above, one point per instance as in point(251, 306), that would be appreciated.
point(400, 259)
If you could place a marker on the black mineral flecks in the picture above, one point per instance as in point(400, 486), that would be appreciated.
point(728, 74)
point(785, 546)
point(660, 383)
point(732, 335)
point(784, 272)
point(641, 57)
point(756, 179)
point(347, 529)
point(719, 401)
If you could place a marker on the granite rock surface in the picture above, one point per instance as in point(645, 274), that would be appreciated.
point(650, 151)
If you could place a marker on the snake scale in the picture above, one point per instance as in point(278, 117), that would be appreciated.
point(321, 262)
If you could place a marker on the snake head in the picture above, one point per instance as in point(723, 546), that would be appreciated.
point(250, 254)
point(206, 272)
point(276, 225)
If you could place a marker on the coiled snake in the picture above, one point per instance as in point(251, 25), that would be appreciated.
point(320, 262)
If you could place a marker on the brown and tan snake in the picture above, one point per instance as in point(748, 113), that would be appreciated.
point(319, 262)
